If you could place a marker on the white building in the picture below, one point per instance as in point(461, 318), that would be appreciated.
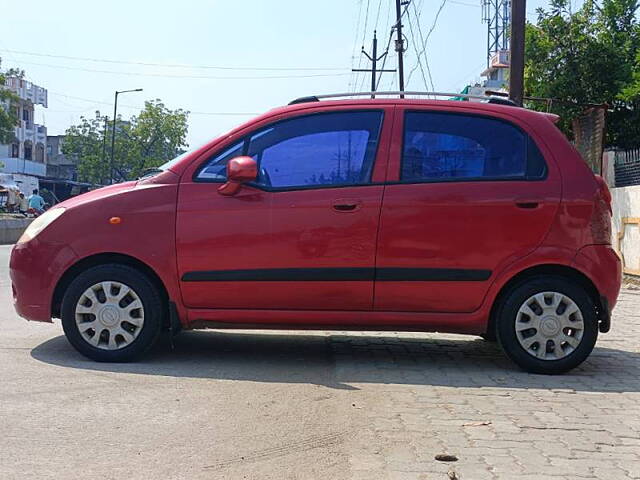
point(497, 72)
point(27, 153)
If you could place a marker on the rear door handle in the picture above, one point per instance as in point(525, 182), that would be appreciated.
point(346, 205)
point(528, 203)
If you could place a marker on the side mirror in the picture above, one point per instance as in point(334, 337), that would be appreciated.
point(239, 170)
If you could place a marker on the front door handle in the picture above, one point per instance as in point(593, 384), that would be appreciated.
point(346, 205)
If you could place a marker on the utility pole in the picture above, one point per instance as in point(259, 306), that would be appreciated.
point(374, 61)
point(104, 145)
point(516, 71)
point(113, 133)
point(113, 138)
point(400, 44)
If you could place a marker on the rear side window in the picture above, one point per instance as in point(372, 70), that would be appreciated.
point(450, 147)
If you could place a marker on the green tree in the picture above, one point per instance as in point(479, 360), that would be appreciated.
point(589, 56)
point(84, 143)
point(146, 141)
point(8, 119)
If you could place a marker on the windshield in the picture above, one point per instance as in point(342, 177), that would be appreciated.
point(171, 163)
point(152, 172)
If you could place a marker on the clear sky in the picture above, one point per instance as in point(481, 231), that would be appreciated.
point(246, 37)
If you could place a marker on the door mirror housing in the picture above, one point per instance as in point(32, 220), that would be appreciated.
point(239, 170)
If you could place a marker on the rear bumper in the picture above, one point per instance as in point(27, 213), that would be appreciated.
point(35, 268)
point(603, 266)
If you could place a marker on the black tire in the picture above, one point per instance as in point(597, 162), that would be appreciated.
point(154, 306)
point(506, 324)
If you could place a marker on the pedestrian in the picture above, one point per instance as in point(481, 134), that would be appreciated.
point(23, 204)
point(12, 200)
point(36, 202)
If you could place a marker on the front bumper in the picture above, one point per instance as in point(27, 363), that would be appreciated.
point(35, 269)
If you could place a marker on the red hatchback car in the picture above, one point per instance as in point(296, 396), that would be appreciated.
point(385, 214)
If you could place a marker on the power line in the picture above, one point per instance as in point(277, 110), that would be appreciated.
point(170, 65)
point(378, 14)
point(384, 61)
point(364, 34)
point(160, 75)
point(475, 5)
point(426, 38)
point(366, 20)
point(419, 61)
point(100, 102)
point(471, 72)
point(354, 76)
point(386, 22)
point(389, 5)
point(423, 41)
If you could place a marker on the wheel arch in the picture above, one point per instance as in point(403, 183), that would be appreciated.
point(546, 269)
point(103, 259)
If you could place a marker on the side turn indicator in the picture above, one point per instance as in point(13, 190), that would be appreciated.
point(115, 220)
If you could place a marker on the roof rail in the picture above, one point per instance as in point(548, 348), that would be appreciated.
point(488, 99)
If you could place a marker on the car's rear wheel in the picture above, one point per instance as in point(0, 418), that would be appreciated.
point(547, 324)
point(112, 313)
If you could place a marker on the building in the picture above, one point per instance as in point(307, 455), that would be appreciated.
point(26, 154)
point(497, 73)
point(58, 164)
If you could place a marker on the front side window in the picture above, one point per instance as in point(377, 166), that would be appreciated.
point(326, 149)
point(449, 147)
point(216, 167)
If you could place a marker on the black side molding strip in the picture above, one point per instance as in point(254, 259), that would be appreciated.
point(282, 275)
point(431, 275)
point(340, 275)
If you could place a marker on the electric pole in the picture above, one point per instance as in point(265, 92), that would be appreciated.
point(400, 44)
point(516, 71)
point(113, 133)
point(104, 147)
point(374, 61)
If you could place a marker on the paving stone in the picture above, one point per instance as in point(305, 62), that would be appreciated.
point(583, 425)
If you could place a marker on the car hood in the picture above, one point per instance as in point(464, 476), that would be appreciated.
point(98, 194)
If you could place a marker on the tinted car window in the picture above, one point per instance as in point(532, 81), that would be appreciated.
point(216, 167)
point(444, 146)
point(323, 149)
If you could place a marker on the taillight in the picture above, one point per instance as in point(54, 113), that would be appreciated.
point(601, 217)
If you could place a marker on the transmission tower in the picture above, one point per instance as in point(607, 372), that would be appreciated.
point(496, 14)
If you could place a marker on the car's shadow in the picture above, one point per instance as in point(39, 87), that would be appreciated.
point(343, 361)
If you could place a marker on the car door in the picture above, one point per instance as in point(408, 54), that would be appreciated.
point(469, 193)
point(303, 235)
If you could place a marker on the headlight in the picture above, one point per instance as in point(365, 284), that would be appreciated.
point(40, 223)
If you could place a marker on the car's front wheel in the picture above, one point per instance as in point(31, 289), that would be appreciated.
point(547, 324)
point(112, 313)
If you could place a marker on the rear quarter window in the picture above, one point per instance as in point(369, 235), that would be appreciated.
point(440, 146)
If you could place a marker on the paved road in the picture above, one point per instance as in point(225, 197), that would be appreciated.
point(337, 405)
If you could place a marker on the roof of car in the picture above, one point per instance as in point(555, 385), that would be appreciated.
point(317, 105)
point(453, 104)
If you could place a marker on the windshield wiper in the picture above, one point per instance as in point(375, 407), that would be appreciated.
point(150, 172)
